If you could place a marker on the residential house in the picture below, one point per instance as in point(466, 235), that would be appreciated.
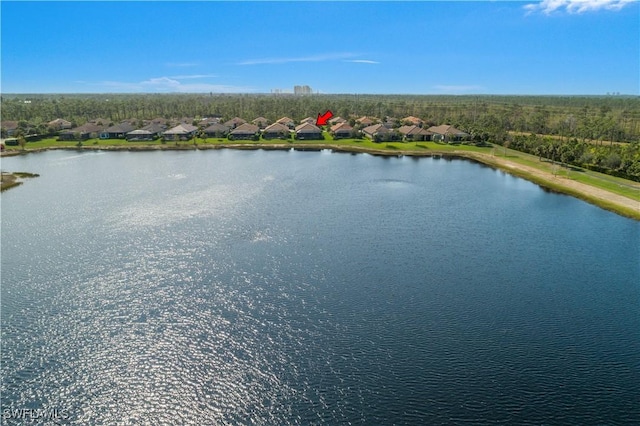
point(155, 128)
point(379, 133)
point(391, 122)
point(246, 131)
point(67, 135)
point(180, 132)
point(366, 121)
point(287, 122)
point(188, 120)
point(412, 121)
point(261, 122)
point(208, 121)
point(448, 133)
point(234, 122)
point(102, 122)
point(337, 120)
point(341, 130)
point(160, 121)
point(132, 121)
point(59, 124)
point(306, 131)
point(276, 131)
point(9, 128)
point(415, 133)
point(139, 135)
point(81, 133)
point(308, 120)
point(119, 131)
point(216, 130)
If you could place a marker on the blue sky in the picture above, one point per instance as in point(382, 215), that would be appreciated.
point(569, 47)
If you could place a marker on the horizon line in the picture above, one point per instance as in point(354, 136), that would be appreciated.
point(609, 94)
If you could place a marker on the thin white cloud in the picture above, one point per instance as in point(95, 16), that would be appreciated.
point(461, 88)
point(173, 85)
point(192, 77)
point(362, 61)
point(312, 58)
point(576, 6)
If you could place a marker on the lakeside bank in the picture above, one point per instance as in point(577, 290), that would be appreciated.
point(553, 181)
point(13, 179)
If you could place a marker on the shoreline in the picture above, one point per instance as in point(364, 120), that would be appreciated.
point(13, 179)
point(602, 198)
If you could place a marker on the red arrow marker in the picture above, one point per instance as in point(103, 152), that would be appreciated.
point(322, 119)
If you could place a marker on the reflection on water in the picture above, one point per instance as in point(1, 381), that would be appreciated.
point(296, 288)
point(216, 201)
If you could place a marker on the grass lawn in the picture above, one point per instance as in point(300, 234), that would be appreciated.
point(10, 180)
point(612, 184)
point(55, 143)
point(361, 143)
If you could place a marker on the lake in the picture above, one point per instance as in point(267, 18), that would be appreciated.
point(210, 287)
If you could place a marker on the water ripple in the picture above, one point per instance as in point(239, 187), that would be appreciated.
point(246, 290)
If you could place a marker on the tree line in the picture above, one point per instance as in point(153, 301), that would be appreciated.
point(577, 130)
point(611, 118)
point(622, 160)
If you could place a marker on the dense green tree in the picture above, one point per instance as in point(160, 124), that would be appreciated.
point(562, 128)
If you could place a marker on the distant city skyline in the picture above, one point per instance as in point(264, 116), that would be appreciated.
point(551, 47)
point(302, 90)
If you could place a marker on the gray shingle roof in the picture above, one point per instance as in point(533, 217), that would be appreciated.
point(344, 126)
point(445, 129)
point(376, 128)
point(245, 129)
point(307, 128)
point(120, 128)
point(284, 120)
point(181, 129)
point(414, 130)
point(217, 127)
point(235, 121)
point(155, 128)
point(276, 128)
